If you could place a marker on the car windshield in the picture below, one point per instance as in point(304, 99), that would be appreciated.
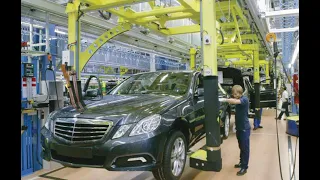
point(169, 83)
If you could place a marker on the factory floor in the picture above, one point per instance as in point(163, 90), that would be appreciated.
point(263, 165)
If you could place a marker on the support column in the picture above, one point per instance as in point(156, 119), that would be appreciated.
point(152, 63)
point(193, 52)
point(74, 33)
point(212, 150)
point(256, 77)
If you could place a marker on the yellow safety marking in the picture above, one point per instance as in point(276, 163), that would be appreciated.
point(200, 154)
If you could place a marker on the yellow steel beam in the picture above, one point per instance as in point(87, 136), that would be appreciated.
point(235, 56)
point(209, 29)
point(242, 17)
point(105, 4)
point(173, 16)
point(152, 4)
point(230, 25)
point(191, 4)
point(250, 62)
point(250, 36)
point(193, 52)
point(256, 74)
point(237, 27)
point(224, 6)
point(72, 9)
point(152, 25)
point(238, 52)
point(91, 2)
point(158, 12)
point(248, 47)
point(184, 29)
point(100, 41)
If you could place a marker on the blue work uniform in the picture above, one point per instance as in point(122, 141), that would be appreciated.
point(257, 120)
point(243, 131)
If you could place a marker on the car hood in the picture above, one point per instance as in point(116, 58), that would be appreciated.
point(122, 109)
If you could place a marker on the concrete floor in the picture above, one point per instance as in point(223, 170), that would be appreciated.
point(264, 163)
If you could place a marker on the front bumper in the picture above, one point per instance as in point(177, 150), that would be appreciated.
point(137, 153)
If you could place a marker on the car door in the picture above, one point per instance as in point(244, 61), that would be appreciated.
point(268, 97)
point(223, 105)
point(197, 124)
point(198, 105)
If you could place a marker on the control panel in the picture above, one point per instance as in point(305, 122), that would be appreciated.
point(68, 57)
point(28, 70)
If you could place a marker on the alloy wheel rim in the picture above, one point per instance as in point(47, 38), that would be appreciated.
point(226, 125)
point(177, 156)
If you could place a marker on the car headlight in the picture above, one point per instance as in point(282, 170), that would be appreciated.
point(146, 125)
point(121, 131)
point(49, 122)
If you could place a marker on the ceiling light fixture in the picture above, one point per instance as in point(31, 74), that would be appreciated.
point(34, 25)
point(60, 32)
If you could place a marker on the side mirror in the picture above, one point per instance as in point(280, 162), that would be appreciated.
point(92, 93)
point(200, 92)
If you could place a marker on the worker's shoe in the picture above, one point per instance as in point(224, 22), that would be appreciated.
point(255, 128)
point(260, 126)
point(237, 165)
point(241, 172)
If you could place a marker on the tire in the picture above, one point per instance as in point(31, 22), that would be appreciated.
point(226, 126)
point(165, 172)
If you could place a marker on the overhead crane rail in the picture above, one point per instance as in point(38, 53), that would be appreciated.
point(237, 32)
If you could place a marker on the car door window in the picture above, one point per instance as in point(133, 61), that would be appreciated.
point(248, 84)
point(221, 91)
point(198, 83)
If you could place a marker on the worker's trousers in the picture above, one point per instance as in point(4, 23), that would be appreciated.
point(243, 137)
point(284, 109)
point(257, 120)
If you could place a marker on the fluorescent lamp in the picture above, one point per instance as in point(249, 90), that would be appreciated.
point(295, 53)
point(281, 13)
point(28, 24)
point(60, 32)
point(51, 38)
point(284, 30)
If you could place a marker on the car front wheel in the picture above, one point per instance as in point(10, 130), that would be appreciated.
point(174, 158)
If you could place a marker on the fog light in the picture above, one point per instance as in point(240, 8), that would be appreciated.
point(142, 159)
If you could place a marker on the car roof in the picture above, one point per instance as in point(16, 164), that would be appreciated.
point(174, 71)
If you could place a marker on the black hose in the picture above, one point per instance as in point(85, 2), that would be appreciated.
point(38, 149)
point(222, 37)
point(103, 16)
point(279, 157)
point(295, 158)
point(295, 154)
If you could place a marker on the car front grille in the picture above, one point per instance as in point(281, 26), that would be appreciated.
point(75, 130)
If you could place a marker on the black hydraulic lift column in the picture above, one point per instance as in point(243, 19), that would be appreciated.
point(208, 158)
